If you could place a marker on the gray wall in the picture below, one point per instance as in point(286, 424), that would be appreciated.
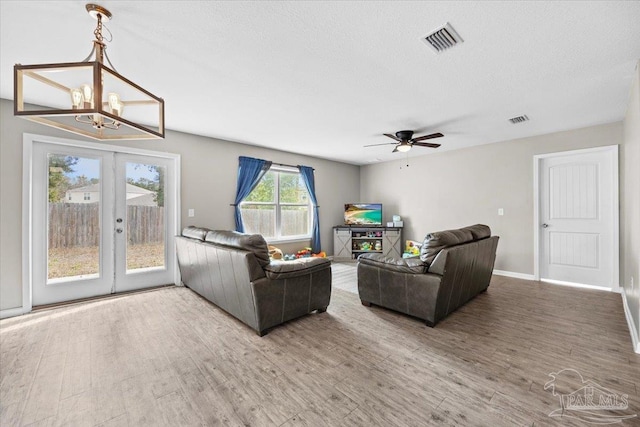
point(457, 188)
point(630, 198)
point(208, 185)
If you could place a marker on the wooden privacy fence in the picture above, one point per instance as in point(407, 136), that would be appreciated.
point(293, 221)
point(78, 224)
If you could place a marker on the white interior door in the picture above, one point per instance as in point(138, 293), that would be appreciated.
point(102, 222)
point(578, 217)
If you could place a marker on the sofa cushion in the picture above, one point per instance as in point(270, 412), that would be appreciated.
point(479, 231)
point(295, 268)
point(404, 265)
point(193, 232)
point(249, 242)
point(435, 242)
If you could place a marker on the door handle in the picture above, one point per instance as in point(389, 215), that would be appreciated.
point(118, 230)
point(545, 225)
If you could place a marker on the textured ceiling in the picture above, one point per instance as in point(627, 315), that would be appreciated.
point(325, 78)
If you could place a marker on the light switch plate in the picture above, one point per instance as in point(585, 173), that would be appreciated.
point(500, 211)
point(192, 213)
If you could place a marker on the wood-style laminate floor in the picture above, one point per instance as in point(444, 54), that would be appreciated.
point(169, 357)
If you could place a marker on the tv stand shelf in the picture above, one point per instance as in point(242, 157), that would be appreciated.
point(349, 241)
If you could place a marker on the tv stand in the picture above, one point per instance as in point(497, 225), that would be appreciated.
point(349, 241)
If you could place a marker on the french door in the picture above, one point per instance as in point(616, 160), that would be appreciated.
point(102, 222)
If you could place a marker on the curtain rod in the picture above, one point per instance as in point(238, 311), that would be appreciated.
point(289, 166)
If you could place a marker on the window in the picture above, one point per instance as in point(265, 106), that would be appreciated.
point(279, 207)
point(87, 196)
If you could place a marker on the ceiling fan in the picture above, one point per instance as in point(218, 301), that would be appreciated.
point(405, 140)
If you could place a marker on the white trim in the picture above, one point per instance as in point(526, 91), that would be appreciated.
point(27, 213)
point(514, 274)
point(11, 312)
point(632, 326)
point(27, 210)
point(581, 285)
point(615, 204)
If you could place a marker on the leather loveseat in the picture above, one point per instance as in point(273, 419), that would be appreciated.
point(233, 271)
point(453, 267)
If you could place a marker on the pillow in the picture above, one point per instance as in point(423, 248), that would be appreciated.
point(435, 242)
point(249, 242)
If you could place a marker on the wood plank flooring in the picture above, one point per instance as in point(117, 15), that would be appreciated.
point(169, 357)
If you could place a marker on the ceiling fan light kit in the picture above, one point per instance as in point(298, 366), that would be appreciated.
point(88, 98)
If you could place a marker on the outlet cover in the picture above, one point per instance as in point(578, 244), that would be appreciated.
point(191, 213)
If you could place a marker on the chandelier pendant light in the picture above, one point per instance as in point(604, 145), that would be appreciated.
point(88, 98)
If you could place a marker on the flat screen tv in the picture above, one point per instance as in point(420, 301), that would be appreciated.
point(363, 213)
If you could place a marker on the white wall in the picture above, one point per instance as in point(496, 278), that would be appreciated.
point(630, 203)
point(452, 189)
point(209, 173)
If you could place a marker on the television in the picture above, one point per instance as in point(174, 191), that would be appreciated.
point(363, 213)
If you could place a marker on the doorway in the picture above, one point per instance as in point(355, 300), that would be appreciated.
point(576, 217)
point(102, 219)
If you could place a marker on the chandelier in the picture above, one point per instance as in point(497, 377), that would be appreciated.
point(88, 98)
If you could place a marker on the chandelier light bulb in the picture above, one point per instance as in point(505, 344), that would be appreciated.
point(115, 105)
point(87, 94)
point(76, 98)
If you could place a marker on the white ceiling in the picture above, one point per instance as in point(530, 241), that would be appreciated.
point(325, 78)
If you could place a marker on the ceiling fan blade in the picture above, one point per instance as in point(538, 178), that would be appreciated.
point(375, 145)
point(426, 144)
point(392, 137)
point(395, 150)
point(422, 138)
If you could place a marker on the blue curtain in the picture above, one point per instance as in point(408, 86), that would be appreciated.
point(307, 176)
point(250, 172)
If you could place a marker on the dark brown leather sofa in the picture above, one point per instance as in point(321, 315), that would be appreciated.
point(454, 266)
point(233, 271)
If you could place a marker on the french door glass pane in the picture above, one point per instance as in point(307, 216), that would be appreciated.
point(73, 249)
point(145, 216)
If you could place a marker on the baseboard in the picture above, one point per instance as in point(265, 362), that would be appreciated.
point(513, 274)
point(10, 312)
point(632, 326)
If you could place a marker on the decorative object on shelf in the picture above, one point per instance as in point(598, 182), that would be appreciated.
point(378, 245)
point(397, 218)
point(88, 98)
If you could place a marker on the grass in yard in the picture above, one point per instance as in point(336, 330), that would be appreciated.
point(77, 261)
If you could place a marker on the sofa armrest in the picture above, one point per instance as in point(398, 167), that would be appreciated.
point(405, 265)
point(295, 268)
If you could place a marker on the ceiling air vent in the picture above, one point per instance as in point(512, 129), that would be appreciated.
point(443, 38)
point(519, 119)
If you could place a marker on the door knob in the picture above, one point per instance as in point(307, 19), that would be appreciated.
point(118, 230)
point(545, 225)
